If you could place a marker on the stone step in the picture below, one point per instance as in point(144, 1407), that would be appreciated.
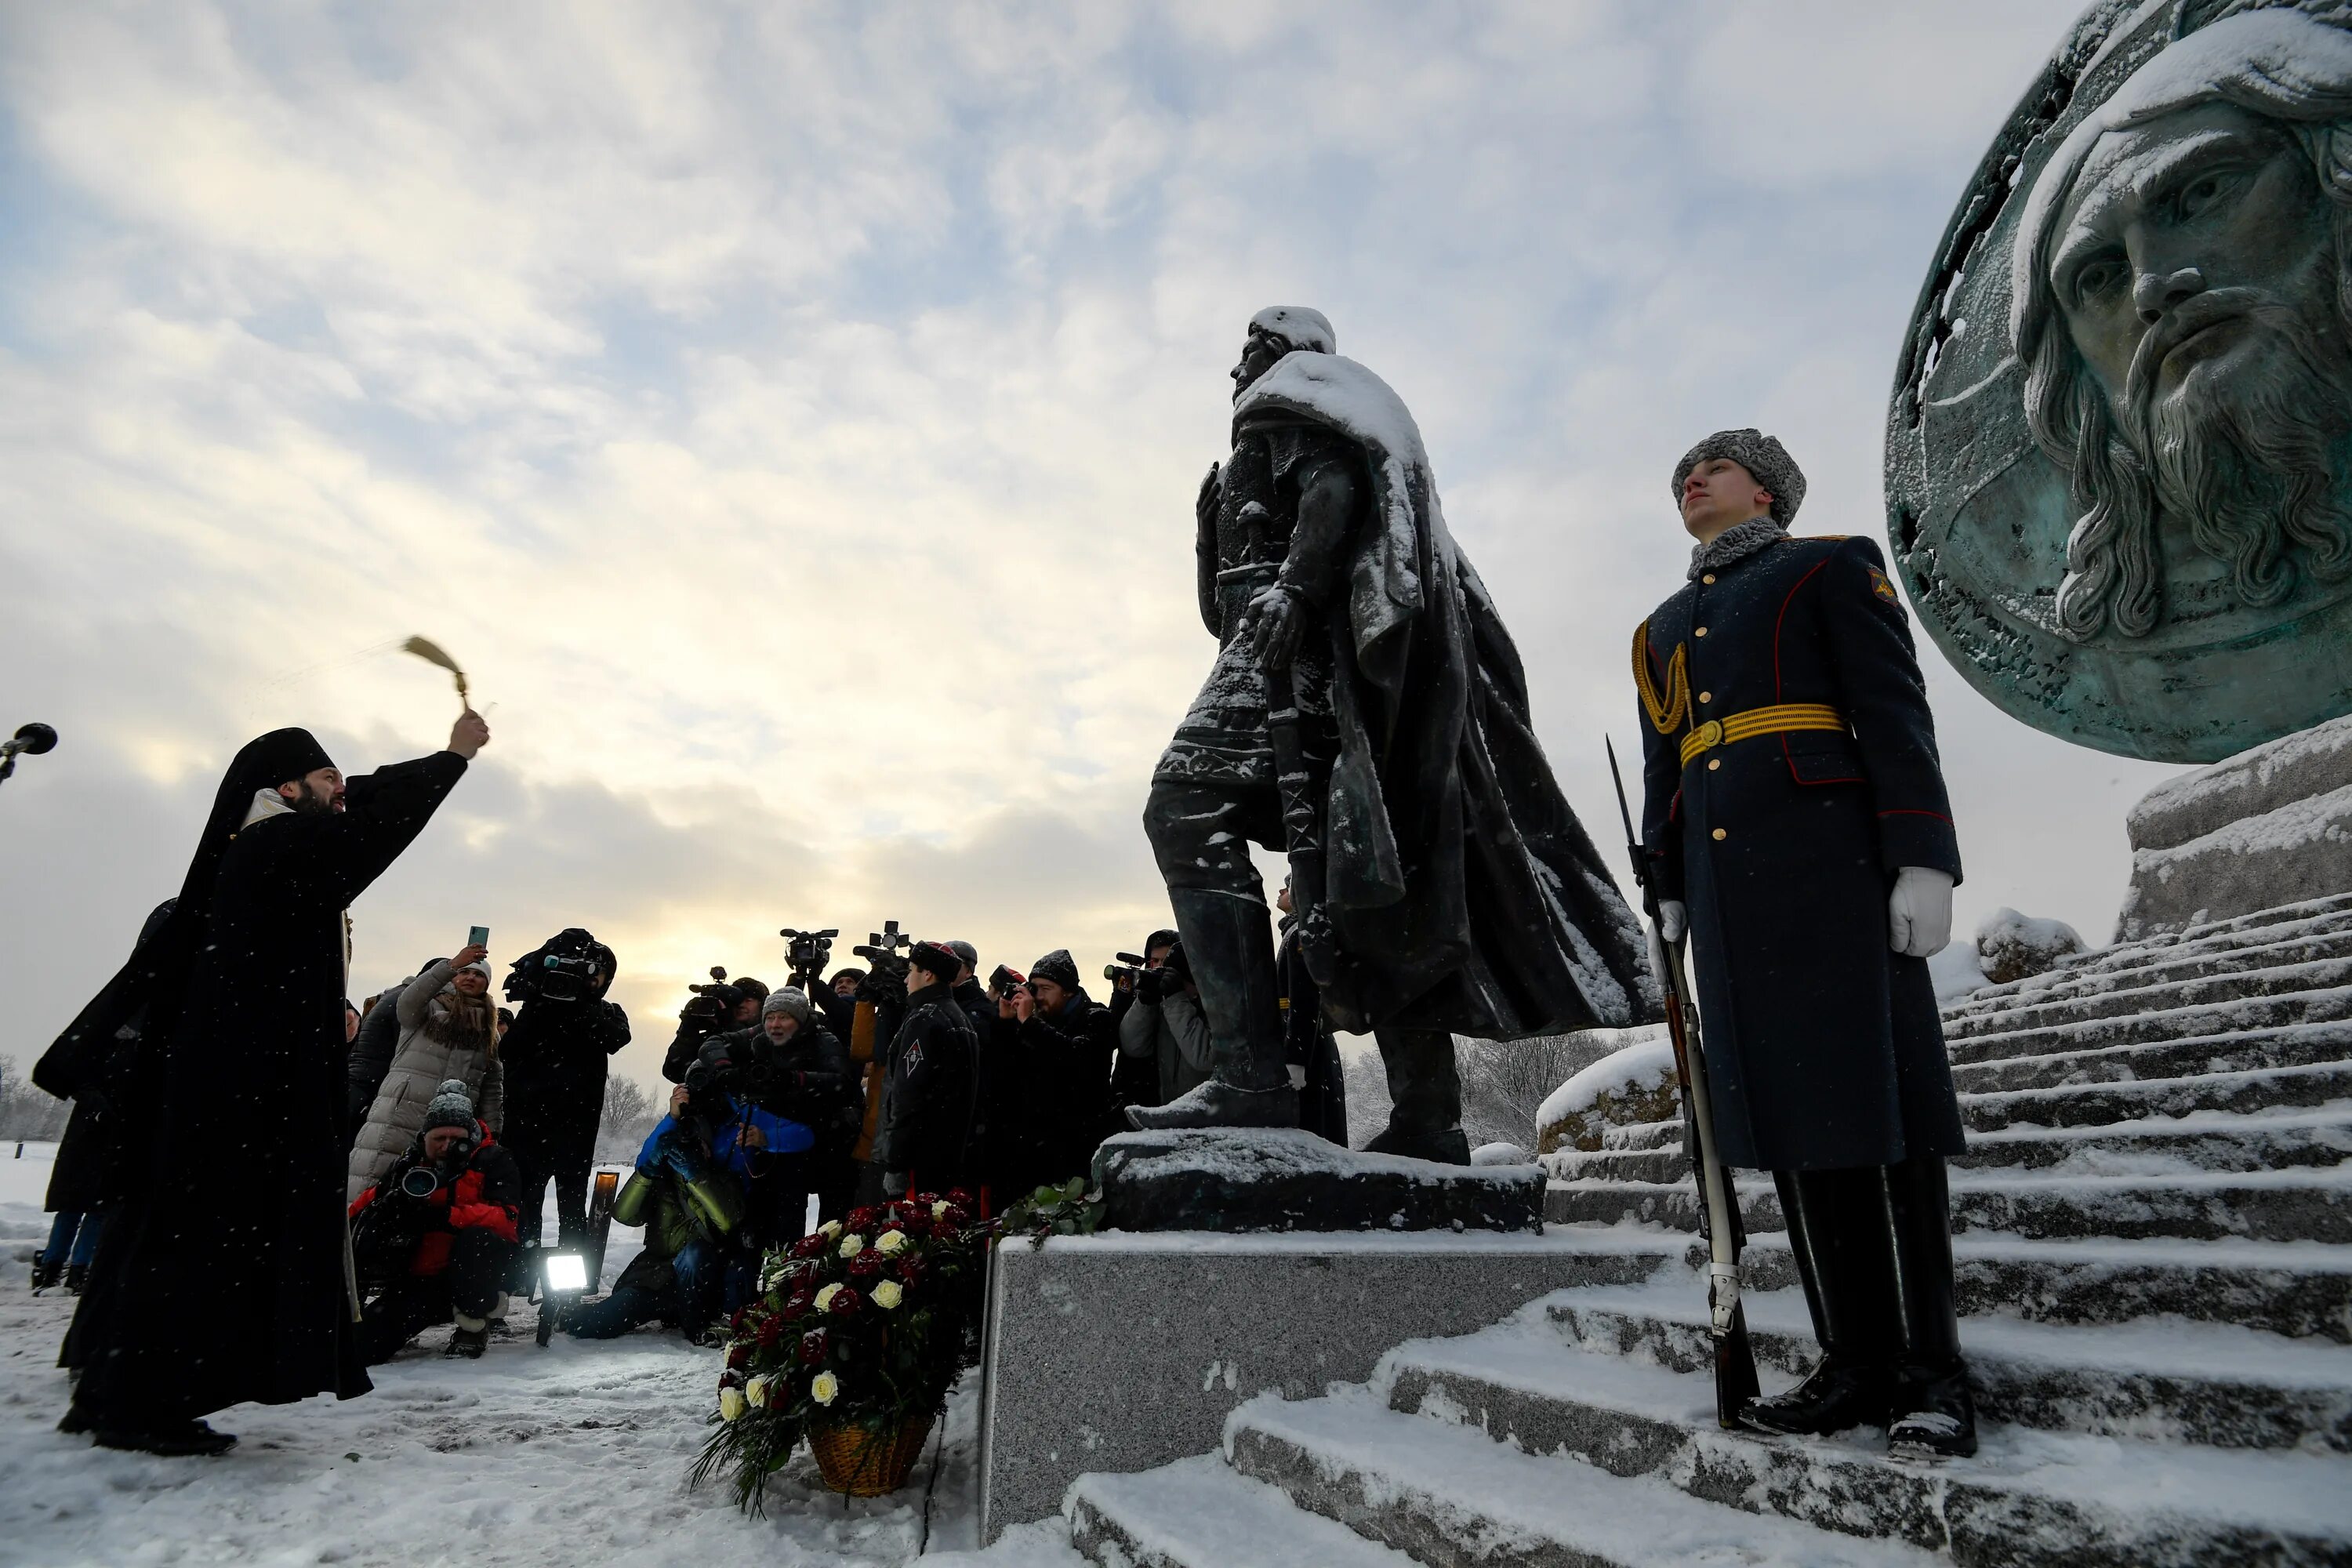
point(2204, 1140)
point(2154, 994)
point(1449, 1498)
point(1202, 1513)
point(2117, 968)
point(2158, 1020)
point(2307, 908)
point(2294, 1045)
point(2294, 1288)
point(2029, 1499)
point(2260, 1205)
point(2117, 1096)
point(2217, 1384)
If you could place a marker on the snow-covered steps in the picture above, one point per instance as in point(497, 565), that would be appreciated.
point(2164, 1380)
point(2188, 1020)
point(2156, 997)
point(2110, 1091)
point(1201, 1513)
point(2029, 1498)
point(2132, 968)
point(2202, 1140)
point(2263, 1205)
point(1451, 1498)
point(2273, 930)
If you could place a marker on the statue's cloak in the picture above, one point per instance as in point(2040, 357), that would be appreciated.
point(1464, 892)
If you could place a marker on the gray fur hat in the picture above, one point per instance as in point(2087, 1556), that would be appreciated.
point(450, 1105)
point(1762, 456)
point(788, 1000)
point(1300, 326)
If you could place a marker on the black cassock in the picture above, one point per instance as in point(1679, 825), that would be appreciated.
point(222, 1280)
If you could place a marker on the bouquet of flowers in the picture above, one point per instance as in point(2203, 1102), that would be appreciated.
point(858, 1333)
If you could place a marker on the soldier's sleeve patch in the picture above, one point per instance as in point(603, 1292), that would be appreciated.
point(1883, 588)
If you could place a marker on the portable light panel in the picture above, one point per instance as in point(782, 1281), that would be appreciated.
point(564, 1277)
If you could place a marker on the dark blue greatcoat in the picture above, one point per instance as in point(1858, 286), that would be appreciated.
point(1823, 1046)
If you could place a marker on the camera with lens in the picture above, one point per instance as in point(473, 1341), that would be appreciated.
point(1004, 982)
point(1126, 971)
point(808, 952)
point(564, 970)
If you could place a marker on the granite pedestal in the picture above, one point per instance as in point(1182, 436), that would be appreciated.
point(1121, 1351)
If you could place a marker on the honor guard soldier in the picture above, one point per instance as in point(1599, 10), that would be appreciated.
point(1795, 816)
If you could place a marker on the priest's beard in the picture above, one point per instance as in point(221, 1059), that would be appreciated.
point(312, 802)
point(2249, 463)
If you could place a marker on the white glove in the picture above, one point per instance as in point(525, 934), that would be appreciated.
point(894, 1183)
point(1920, 912)
point(1673, 919)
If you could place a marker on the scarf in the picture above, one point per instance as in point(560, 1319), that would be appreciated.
point(1738, 543)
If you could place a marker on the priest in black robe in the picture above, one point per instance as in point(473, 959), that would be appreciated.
point(226, 1275)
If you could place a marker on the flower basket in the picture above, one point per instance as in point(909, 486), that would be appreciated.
point(864, 1463)
point(856, 1337)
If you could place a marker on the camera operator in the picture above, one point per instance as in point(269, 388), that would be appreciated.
point(438, 1232)
point(930, 1092)
point(696, 1192)
point(555, 1057)
point(1162, 1029)
point(1063, 1043)
point(876, 1007)
point(721, 1007)
point(797, 1068)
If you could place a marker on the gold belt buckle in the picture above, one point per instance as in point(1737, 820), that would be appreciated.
point(1708, 735)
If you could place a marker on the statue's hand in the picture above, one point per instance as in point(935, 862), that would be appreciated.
point(1204, 505)
point(1271, 625)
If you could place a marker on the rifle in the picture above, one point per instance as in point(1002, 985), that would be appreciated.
point(1734, 1358)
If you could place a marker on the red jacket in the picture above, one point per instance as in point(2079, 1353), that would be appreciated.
point(485, 1196)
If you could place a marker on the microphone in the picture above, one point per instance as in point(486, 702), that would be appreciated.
point(33, 740)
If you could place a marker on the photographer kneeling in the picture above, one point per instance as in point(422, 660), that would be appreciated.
point(696, 1192)
point(438, 1231)
point(793, 1066)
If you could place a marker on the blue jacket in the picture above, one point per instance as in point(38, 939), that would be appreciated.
point(728, 1148)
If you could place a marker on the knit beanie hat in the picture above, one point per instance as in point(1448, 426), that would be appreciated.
point(1762, 456)
point(450, 1105)
point(791, 1001)
point(1058, 966)
point(749, 987)
point(933, 959)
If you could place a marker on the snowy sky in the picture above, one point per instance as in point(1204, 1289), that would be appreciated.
point(791, 415)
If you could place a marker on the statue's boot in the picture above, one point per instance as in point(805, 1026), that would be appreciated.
point(1425, 1097)
point(1934, 1412)
point(1838, 1237)
point(1229, 942)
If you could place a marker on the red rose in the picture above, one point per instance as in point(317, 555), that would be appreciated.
point(808, 1246)
point(812, 1344)
point(770, 1329)
point(916, 1224)
point(847, 1301)
point(959, 1197)
point(866, 1265)
point(912, 1270)
point(862, 1220)
point(739, 1355)
point(735, 1323)
point(797, 1307)
point(946, 1234)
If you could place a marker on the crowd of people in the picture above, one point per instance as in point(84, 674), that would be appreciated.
point(790, 1107)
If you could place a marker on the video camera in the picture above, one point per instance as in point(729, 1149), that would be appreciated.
point(882, 948)
point(1126, 971)
point(564, 969)
point(808, 952)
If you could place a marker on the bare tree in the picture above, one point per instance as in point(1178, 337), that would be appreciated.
point(630, 1114)
point(25, 1111)
point(1503, 1082)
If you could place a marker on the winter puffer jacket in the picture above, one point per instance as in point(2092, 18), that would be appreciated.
point(483, 1197)
point(425, 1056)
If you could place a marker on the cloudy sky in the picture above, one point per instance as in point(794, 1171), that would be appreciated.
point(790, 414)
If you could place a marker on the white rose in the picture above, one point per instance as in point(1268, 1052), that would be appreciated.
point(731, 1403)
point(825, 1297)
point(823, 1388)
point(887, 1295)
point(891, 1243)
point(852, 1244)
point(939, 1209)
point(756, 1391)
point(829, 1229)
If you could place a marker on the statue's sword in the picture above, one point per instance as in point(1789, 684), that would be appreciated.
point(1302, 812)
point(1735, 1359)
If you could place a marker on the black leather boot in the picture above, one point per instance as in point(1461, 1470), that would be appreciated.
point(1229, 942)
point(1424, 1096)
point(45, 1275)
point(1935, 1414)
point(1842, 1262)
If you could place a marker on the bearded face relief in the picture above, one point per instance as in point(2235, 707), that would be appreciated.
point(2200, 391)
point(2127, 518)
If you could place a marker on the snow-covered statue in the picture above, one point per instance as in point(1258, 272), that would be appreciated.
point(2181, 302)
point(1366, 716)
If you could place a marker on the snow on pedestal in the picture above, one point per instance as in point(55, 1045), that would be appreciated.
point(1625, 1088)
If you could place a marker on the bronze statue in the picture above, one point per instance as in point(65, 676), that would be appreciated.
point(1366, 716)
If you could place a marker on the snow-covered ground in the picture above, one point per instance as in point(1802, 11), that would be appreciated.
point(576, 1454)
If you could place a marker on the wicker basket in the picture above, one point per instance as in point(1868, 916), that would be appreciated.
point(861, 1463)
